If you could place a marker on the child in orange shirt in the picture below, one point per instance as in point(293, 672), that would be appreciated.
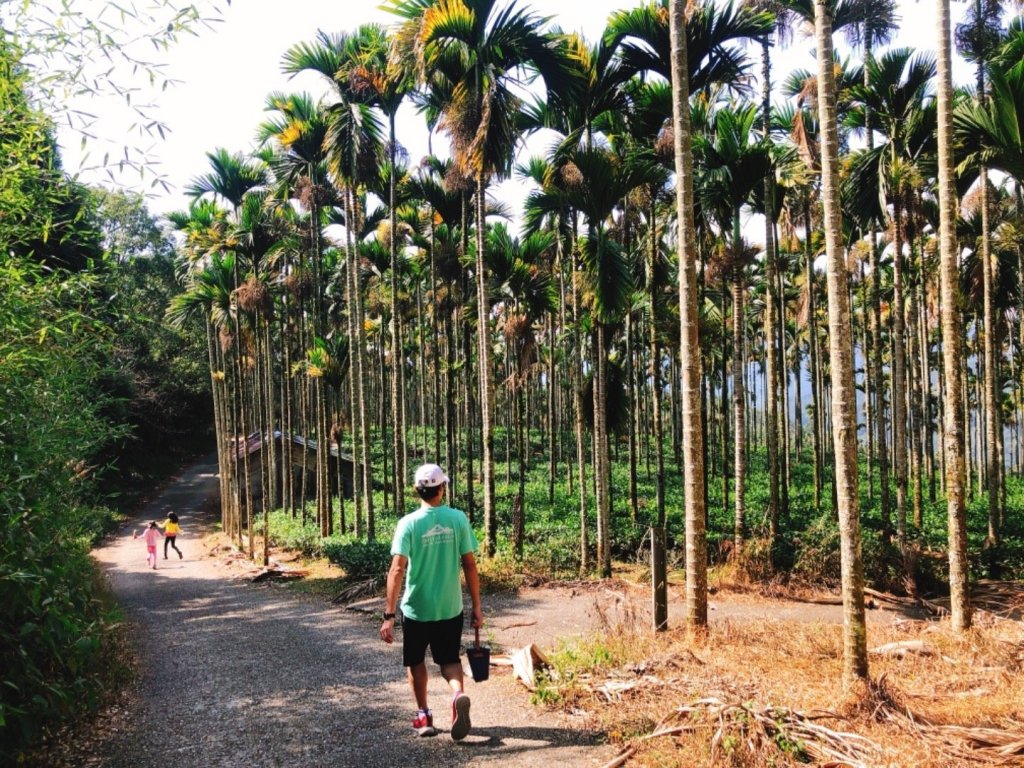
point(171, 531)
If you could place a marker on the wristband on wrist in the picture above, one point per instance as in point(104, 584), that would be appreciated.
point(388, 616)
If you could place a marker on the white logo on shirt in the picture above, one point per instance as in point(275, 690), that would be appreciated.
point(438, 535)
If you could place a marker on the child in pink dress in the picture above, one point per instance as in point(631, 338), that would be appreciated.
point(151, 535)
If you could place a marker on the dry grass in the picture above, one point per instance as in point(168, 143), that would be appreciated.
point(770, 693)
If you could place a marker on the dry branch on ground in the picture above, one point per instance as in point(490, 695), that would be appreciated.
point(742, 727)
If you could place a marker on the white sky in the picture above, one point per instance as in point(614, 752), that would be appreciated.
point(227, 72)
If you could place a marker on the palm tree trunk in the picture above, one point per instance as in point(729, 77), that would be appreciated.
point(855, 658)
point(468, 427)
point(581, 451)
point(569, 355)
point(601, 458)
point(881, 430)
point(899, 369)
point(449, 401)
point(551, 391)
point(993, 430)
point(739, 408)
point(772, 341)
point(812, 333)
point(689, 355)
point(926, 378)
point(798, 400)
point(287, 394)
point(486, 391)
point(952, 335)
point(354, 367)
point(365, 457)
point(220, 425)
point(631, 398)
point(323, 494)
point(916, 388)
point(656, 387)
point(264, 401)
point(421, 383)
point(397, 367)
point(435, 346)
point(382, 403)
point(865, 345)
point(518, 510)
point(724, 413)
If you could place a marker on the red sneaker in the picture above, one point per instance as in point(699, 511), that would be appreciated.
point(424, 723)
point(460, 716)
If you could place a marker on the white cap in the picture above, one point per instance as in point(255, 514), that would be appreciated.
point(429, 476)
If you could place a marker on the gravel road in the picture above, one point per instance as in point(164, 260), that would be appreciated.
point(236, 675)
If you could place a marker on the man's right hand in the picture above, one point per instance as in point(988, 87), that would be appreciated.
point(387, 631)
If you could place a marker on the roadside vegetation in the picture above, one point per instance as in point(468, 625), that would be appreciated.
point(93, 389)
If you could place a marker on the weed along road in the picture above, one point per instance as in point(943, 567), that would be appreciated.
point(237, 675)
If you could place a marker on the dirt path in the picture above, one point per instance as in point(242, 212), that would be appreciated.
point(242, 676)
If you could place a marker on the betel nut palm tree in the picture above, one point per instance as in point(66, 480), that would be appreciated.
point(894, 99)
point(844, 415)
point(480, 50)
point(527, 295)
point(866, 24)
point(297, 130)
point(550, 205)
point(601, 180)
point(989, 131)
point(231, 177)
point(783, 21)
point(209, 279)
point(952, 334)
point(351, 147)
point(367, 70)
point(693, 452)
point(733, 164)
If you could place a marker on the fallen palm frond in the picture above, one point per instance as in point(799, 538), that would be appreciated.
point(994, 744)
point(905, 647)
point(359, 589)
point(975, 745)
point(788, 731)
point(934, 607)
point(613, 690)
point(620, 759)
point(1002, 598)
point(277, 573)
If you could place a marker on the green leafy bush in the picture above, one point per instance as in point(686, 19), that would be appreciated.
point(53, 620)
point(359, 558)
point(817, 558)
point(292, 533)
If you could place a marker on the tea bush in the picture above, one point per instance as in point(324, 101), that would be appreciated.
point(359, 558)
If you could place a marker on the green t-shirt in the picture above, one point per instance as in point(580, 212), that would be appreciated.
point(434, 539)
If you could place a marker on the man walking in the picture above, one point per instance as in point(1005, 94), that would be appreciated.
point(429, 547)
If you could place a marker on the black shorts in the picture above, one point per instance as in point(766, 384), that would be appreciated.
point(444, 638)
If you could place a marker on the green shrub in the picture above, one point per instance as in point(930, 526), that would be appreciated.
point(817, 557)
point(53, 626)
point(291, 533)
point(53, 619)
point(359, 558)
